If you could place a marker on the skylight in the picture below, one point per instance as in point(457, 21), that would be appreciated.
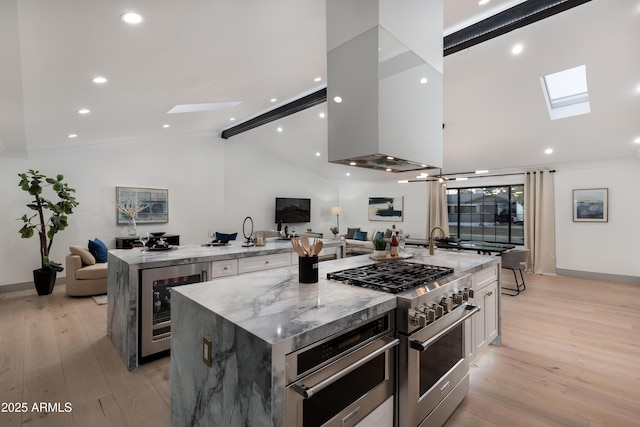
point(566, 92)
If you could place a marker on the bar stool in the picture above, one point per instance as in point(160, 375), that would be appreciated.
point(513, 260)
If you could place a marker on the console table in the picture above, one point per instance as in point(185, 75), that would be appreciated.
point(127, 242)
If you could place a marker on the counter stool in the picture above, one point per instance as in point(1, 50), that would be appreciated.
point(513, 260)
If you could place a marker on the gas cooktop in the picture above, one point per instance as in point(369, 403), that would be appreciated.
point(391, 276)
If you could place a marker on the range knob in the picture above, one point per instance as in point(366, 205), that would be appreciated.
point(447, 304)
point(439, 311)
point(417, 318)
point(457, 298)
point(431, 315)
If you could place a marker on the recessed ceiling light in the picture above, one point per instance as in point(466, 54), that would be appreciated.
point(548, 151)
point(348, 174)
point(131, 18)
point(462, 178)
point(482, 171)
point(99, 80)
point(317, 79)
point(322, 115)
point(517, 49)
point(166, 125)
point(337, 99)
point(279, 129)
point(352, 163)
point(317, 154)
point(637, 140)
point(481, 2)
point(73, 135)
point(83, 111)
point(403, 181)
point(232, 119)
point(423, 80)
point(273, 99)
point(388, 169)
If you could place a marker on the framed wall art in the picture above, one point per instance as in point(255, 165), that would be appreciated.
point(590, 205)
point(152, 204)
point(386, 209)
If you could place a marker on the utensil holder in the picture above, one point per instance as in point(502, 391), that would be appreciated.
point(308, 269)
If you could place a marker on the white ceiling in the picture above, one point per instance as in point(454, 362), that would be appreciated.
point(199, 51)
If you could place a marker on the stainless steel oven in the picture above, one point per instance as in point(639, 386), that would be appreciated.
point(154, 303)
point(436, 378)
point(342, 379)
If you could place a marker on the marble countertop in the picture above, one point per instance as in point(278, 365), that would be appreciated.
point(187, 254)
point(275, 307)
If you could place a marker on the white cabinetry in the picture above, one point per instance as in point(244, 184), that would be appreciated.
point(263, 262)
point(228, 267)
point(484, 325)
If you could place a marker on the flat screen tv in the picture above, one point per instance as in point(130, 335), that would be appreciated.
point(293, 210)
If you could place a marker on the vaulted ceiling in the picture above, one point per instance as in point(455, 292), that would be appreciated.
point(253, 51)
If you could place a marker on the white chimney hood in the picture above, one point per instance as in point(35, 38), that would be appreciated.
point(384, 62)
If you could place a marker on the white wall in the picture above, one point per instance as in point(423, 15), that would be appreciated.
point(191, 169)
point(608, 247)
point(215, 184)
point(254, 177)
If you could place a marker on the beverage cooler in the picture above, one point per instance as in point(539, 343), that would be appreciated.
point(154, 301)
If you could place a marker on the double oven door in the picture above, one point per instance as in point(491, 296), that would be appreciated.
point(154, 303)
point(435, 377)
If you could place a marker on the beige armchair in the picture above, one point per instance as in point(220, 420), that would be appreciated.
point(84, 277)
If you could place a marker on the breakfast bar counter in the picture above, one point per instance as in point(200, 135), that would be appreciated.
point(126, 267)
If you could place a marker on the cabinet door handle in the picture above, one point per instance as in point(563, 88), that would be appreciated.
point(266, 262)
point(225, 268)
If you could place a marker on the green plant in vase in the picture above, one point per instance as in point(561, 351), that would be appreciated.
point(379, 246)
point(34, 183)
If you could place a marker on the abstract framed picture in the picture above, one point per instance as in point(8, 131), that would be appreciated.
point(591, 205)
point(386, 209)
point(154, 200)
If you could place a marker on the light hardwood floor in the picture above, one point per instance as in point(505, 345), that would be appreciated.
point(570, 356)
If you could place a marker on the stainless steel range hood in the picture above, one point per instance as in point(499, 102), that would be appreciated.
point(384, 65)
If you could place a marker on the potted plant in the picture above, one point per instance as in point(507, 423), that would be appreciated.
point(334, 231)
point(33, 182)
point(380, 247)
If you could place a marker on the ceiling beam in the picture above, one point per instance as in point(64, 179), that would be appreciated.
point(308, 101)
point(501, 23)
point(518, 16)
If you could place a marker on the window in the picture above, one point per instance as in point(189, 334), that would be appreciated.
point(566, 92)
point(491, 214)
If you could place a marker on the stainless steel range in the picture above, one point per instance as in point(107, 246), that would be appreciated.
point(431, 320)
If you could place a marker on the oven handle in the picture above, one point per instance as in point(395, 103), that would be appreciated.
point(307, 392)
point(422, 346)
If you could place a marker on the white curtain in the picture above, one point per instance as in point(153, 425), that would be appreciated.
point(437, 209)
point(539, 222)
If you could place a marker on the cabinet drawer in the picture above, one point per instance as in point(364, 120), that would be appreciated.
point(484, 277)
point(263, 262)
point(224, 268)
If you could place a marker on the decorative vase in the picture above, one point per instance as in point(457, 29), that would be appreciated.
point(44, 279)
point(379, 253)
point(131, 227)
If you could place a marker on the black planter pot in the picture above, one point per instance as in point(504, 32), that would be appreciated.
point(45, 280)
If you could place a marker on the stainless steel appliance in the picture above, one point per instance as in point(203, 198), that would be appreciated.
point(154, 303)
point(342, 379)
point(432, 317)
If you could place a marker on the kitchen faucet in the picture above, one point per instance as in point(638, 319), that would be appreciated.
point(432, 243)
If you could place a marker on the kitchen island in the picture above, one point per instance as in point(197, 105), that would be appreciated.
point(230, 341)
point(126, 267)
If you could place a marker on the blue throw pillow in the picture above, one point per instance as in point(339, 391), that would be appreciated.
point(379, 235)
point(98, 249)
point(225, 237)
point(360, 235)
